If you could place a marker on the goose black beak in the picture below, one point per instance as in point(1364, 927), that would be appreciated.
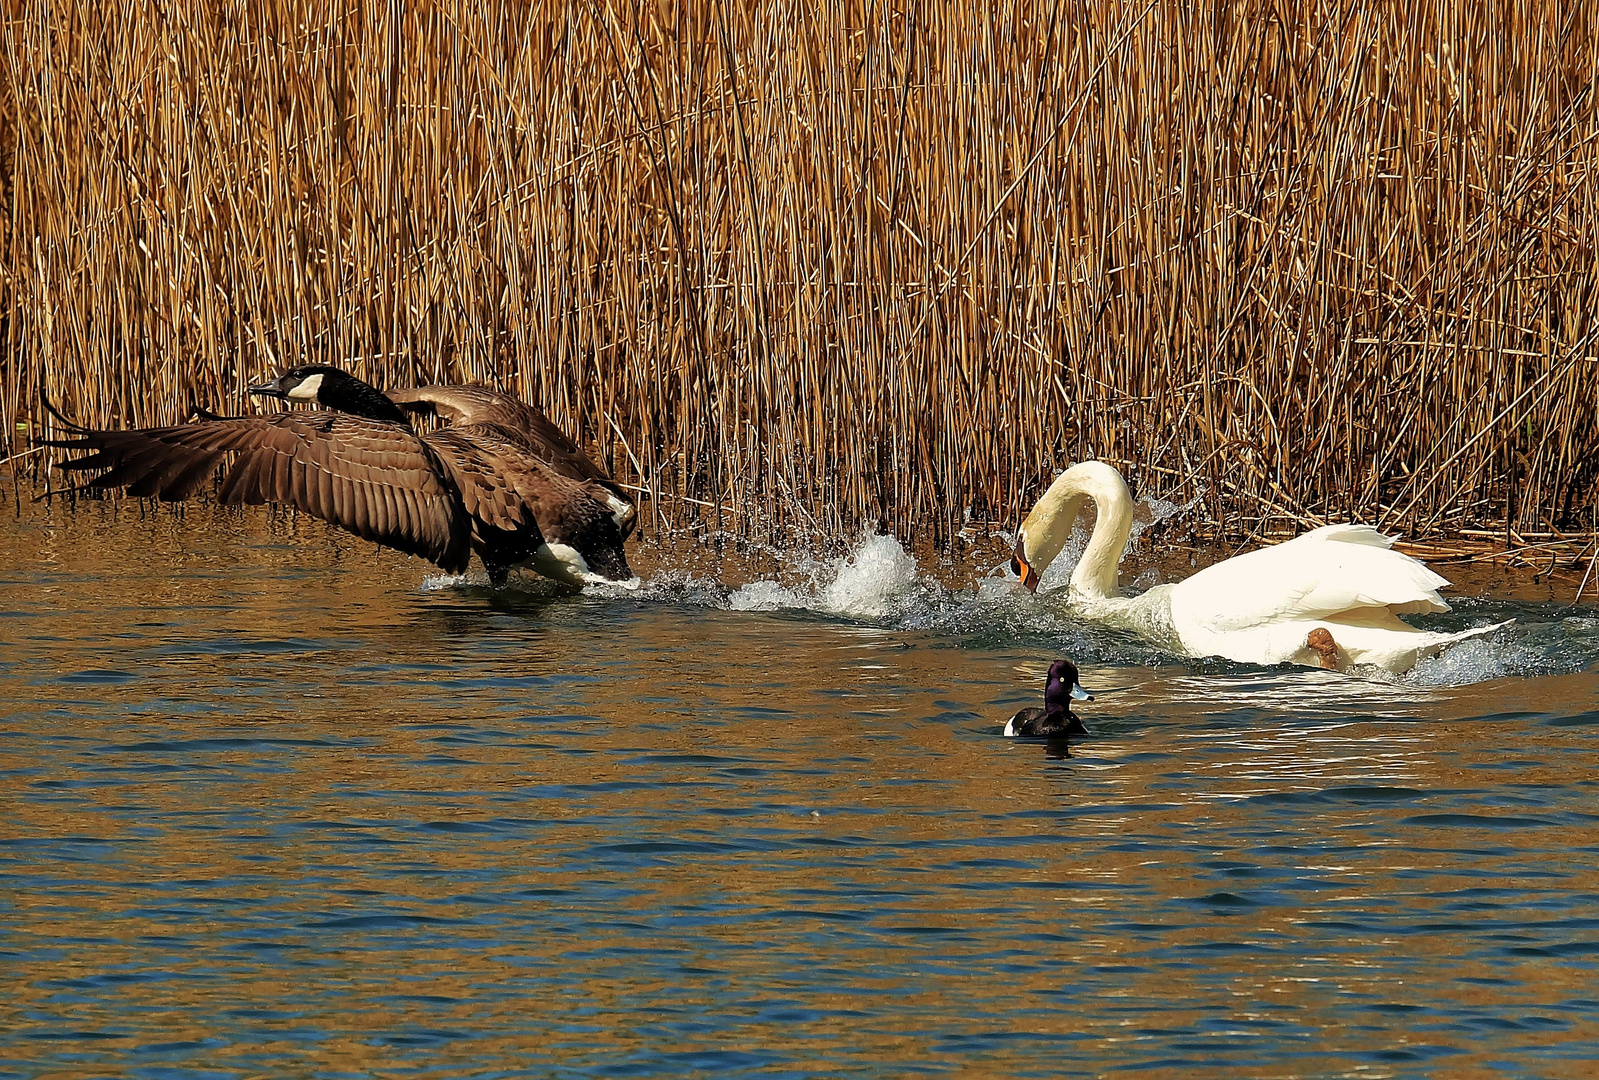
point(1021, 567)
point(271, 389)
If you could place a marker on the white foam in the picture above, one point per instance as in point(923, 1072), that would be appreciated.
point(871, 579)
point(764, 596)
point(671, 585)
point(605, 586)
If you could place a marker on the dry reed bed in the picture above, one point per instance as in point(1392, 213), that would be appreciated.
point(812, 266)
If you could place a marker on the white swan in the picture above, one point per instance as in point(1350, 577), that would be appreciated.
point(1331, 597)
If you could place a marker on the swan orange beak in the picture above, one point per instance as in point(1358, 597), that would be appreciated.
point(1021, 567)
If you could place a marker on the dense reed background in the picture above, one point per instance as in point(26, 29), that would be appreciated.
point(810, 266)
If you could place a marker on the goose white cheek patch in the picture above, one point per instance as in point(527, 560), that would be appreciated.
point(307, 389)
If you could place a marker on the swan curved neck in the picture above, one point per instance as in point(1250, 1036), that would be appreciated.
point(1048, 527)
point(1096, 572)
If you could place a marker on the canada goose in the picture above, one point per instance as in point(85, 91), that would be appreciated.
point(359, 466)
point(1056, 717)
point(585, 516)
point(1331, 597)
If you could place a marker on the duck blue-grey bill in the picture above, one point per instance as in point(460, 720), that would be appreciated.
point(1079, 694)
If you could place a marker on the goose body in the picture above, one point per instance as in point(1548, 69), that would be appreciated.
point(1331, 597)
point(357, 464)
point(584, 515)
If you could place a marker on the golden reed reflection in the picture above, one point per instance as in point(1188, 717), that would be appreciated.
point(334, 818)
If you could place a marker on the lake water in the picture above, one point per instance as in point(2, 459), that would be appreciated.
point(277, 805)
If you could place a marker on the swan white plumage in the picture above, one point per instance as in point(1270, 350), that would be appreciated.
point(1331, 597)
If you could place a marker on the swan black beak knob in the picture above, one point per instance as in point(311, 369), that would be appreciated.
point(1021, 567)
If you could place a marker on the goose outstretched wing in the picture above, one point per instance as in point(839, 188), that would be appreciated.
point(374, 478)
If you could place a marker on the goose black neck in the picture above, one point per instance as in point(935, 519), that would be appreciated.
point(351, 395)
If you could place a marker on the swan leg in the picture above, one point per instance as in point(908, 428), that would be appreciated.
point(1320, 641)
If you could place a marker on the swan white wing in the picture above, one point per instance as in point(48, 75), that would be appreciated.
point(1326, 572)
point(1347, 532)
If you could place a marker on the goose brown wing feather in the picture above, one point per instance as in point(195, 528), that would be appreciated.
point(483, 470)
point(334, 466)
point(488, 472)
point(477, 404)
point(487, 411)
point(483, 407)
point(184, 481)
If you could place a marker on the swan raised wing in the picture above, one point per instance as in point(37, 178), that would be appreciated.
point(1322, 574)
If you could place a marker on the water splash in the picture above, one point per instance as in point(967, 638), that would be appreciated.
point(1147, 513)
point(1476, 660)
point(441, 582)
point(871, 581)
point(1530, 646)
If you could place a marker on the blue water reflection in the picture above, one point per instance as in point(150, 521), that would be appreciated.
point(276, 810)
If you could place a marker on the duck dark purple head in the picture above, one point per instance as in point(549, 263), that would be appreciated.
point(1063, 688)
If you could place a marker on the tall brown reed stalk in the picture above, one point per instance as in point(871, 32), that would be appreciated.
point(818, 265)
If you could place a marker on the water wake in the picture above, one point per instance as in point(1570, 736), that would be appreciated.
point(877, 582)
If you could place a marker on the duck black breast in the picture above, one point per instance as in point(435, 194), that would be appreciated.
point(1043, 723)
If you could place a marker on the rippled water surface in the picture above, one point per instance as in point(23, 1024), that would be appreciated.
point(276, 805)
